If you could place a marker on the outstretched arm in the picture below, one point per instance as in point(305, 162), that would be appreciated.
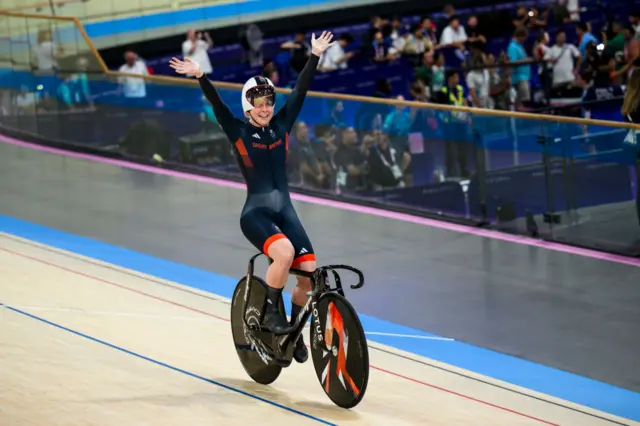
point(289, 112)
point(220, 109)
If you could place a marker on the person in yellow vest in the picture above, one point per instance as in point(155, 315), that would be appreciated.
point(454, 127)
point(452, 93)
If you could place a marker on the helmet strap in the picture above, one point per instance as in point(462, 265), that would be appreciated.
point(252, 120)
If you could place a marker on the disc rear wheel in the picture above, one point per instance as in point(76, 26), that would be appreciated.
point(339, 350)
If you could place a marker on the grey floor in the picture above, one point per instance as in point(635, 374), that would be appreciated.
point(565, 311)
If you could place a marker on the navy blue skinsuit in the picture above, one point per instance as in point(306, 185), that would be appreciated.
point(262, 154)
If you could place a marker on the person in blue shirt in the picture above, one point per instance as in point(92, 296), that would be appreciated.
point(73, 91)
point(521, 75)
point(585, 37)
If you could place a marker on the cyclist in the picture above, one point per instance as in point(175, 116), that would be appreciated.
point(268, 219)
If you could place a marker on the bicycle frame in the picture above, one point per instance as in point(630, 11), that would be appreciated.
point(319, 279)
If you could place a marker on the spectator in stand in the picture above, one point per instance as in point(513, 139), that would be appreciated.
point(474, 37)
point(452, 93)
point(419, 92)
point(454, 126)
point(386, 164)
point(449, 11)
point(325, 148)
point(545, 70)
point(74, 90)
point(634, 19)
point(584, 37)
point(416, 45)
point(395, 29)
point(397, 126)
point(596, 64)
point(454, 35)
point(601, 99)
point(196, 48)
point(538, 20)
point(381, 49)
point(615, 45)
point(521, 73)
point(336, 114)
point(312, 171)
point(377, 24)
point(429, 30)
point(400, 43)
point(133, 88)
point(624, 49)
point(530, 18)
point(349, 161)
point(500, 83)
point(299, 50)
point(46, 53)
point(478, 82)
point(522, 18)
point(398, 122)
point(541, 46)
point(573, 9)
point(335, 57)
point(565, 58)
point(424, 73)
point(439, 74)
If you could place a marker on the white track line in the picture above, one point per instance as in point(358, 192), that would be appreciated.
point(181, 318)
point(412, 336)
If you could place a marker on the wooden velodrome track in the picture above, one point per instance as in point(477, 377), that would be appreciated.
point(83, 342)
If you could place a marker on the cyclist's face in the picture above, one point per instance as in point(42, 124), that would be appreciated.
point(262, 110)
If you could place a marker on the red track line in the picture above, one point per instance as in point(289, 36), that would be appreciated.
point(73, 271)
point(463, 395)
point(92, 277)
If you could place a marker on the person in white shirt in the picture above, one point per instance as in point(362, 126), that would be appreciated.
point(132, 87)
point(196, 48)
point(566, 60)
point(454, 34)
point(400, 42)
point(478, 82)
point(573, 7)
point(334, 57)
point(46, 52)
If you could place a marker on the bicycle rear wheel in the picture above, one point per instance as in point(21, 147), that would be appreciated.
point(253, 347)
point(339, 350)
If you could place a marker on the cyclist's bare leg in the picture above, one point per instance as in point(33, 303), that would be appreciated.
point(299, 296)
point(298, 299)
point(282, 252)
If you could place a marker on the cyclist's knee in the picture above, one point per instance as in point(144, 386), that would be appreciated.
point(282, 252)
point(308, 266)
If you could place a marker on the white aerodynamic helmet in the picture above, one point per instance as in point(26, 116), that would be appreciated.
point(257, 87)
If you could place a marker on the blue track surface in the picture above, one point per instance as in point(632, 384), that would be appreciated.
point(519, 372)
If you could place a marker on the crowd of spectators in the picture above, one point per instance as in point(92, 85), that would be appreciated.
point(537, 65)
point(535, 58)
